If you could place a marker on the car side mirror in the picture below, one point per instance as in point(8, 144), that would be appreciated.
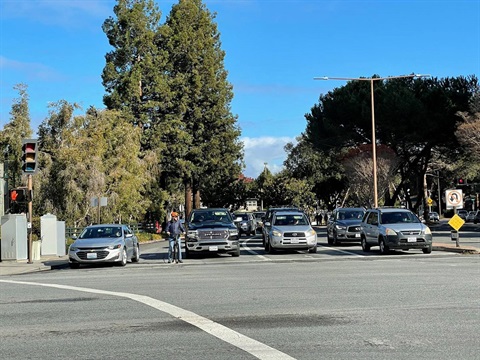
point(267, 223)
point(128, 235)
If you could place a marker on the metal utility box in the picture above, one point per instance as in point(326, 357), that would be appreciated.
point(14, 243)
point(52, 233)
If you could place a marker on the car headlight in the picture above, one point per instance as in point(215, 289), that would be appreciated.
point(276, 233)
point(72, 248)
point(232, 232)
point(193, 234)
point(390, 232)
point(341, 227)
point(117, 246)
point(311, 232)
point(428, 231)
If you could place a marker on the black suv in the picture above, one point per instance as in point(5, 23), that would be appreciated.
point(211, 230)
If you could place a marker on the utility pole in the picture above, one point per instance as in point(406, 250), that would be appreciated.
point(30, 217)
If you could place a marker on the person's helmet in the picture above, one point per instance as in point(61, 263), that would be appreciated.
point(174, 213)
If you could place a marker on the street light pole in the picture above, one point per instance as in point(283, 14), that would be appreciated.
point(374, 144)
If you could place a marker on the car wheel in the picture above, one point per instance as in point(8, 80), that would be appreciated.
point(136, 255)
point(123, 262)
point(313, 250)
point(427, 250)
point(335, 240)
point(270, 250)
point(329, 239)
point(365, 246)
point(383, 248)
point(74, 265)
point(237, 252)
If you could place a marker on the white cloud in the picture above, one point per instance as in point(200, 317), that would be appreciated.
point(267, 149)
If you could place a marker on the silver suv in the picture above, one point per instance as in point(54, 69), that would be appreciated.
point(394, 228)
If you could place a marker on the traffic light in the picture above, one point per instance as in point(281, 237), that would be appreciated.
point(29, 156)
point(18, 195)
point(461, 181)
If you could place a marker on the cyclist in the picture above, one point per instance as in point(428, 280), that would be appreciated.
point(174, 229)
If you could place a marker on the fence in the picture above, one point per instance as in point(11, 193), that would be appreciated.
point(136, 228)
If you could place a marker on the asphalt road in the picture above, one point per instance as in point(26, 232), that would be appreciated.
point(336, 304)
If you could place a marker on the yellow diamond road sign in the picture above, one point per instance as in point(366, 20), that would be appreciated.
point(429, 202)
point(456, 222)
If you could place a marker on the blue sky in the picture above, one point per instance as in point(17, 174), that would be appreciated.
point(273, 48)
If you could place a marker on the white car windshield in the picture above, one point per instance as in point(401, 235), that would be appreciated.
point(290, 220)
point(101, 232)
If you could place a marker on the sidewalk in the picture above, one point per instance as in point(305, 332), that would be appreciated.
point(12, 267)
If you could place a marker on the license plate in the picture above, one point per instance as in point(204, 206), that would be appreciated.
point(411, 239)
point(91, 255)
point(213, 248)
point(294, 241)
point(357, 235)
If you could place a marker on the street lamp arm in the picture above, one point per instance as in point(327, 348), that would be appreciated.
point(371, 78)
point(374, 145)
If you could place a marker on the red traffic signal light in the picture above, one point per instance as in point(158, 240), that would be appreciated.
point(461, 181)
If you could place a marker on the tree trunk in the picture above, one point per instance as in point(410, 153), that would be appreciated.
point(188, 197)
point(196, 194)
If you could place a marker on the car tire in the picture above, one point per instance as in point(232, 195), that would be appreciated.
point(383, 248)
point(270, 250)
point(427, 250)
point(329, 239)
point(123, 262)
point(313, 250)
point(335, 240)
point(136, 255)
point(237, 252)
point(74, 265)
point(365, 246)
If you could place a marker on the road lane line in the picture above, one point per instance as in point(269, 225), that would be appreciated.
point(253, 347)
point(244, 245)
point(342, 251)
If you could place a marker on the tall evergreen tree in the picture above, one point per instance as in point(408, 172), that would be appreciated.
point(12, 135)
point(134, 76)
point(205, 130)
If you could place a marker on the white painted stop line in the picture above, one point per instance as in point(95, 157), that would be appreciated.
point(228, 335)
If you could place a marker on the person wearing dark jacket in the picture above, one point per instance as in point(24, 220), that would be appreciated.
point(174, 229)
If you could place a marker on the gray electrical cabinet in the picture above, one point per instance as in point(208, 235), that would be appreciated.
point(53, 235)
point(14, 243)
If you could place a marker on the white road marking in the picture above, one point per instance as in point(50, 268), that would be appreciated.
point(244, 245)
point(253, 347)
point(342, 251)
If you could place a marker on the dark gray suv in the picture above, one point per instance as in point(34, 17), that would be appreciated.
point(394, 228)
point(344, 225)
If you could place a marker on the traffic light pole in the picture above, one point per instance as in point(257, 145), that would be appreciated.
point(30, 217)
